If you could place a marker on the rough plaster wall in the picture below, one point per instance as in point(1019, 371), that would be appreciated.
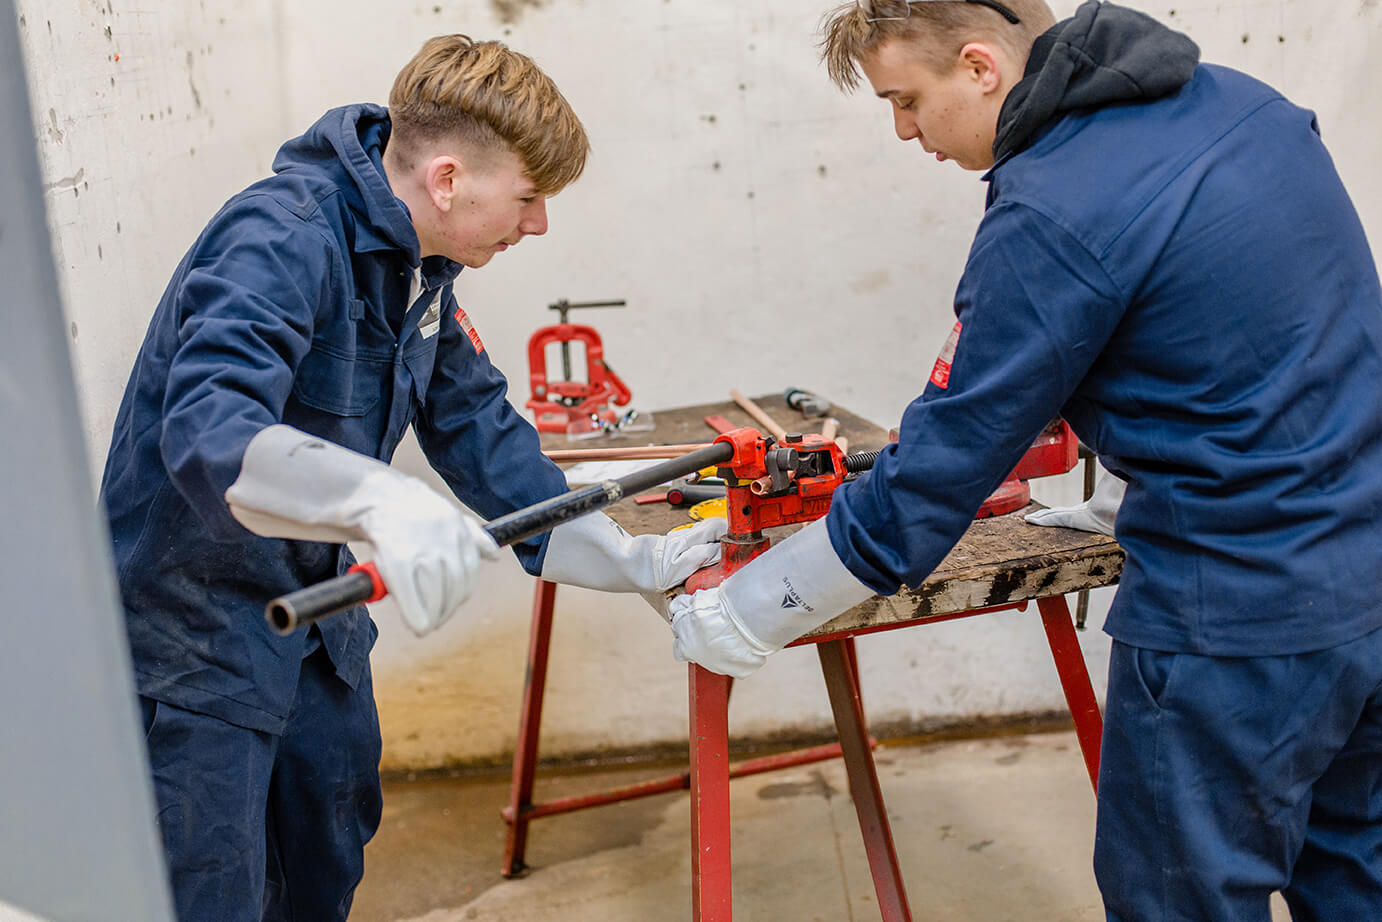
point(149, 117)
point(766, 230)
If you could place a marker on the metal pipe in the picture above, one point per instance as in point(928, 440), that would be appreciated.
point(633, 453)
point(287, 613)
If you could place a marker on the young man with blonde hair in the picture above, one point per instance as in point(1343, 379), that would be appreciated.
point(1169, 260)
point(310, 324)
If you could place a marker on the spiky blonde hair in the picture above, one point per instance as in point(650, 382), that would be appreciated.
point(939, 29)
point(487, 95)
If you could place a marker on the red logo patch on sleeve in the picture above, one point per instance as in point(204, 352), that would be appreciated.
point(940, 375)
point(469, 328)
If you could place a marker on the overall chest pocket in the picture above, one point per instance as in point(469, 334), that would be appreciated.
point(340, 381)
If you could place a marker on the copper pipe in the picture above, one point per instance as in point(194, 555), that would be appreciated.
point(642, 453)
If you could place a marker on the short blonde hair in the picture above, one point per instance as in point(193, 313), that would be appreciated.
point(486, 95)
point(938, 29)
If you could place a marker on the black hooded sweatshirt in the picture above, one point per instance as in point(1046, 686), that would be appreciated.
point(1104, 54)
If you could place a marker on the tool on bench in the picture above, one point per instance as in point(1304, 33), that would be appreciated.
point(830, 429)
point(1055, 451)
point(684, 494)
point(577, 408)
point(362, 583)
point(793, 481)
point(808, 403)
point(719, 423)
point(758, 415)
point(692, 493)
point(709, 509)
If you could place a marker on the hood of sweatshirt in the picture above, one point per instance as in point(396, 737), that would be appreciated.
point(1105, 54)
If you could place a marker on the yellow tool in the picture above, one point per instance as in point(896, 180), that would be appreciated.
point(709, 509)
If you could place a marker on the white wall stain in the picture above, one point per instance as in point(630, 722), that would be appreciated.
point(510, 11)
point(67, 182)
point(192, 83)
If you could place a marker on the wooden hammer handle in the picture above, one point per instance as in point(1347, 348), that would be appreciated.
point(755, 411)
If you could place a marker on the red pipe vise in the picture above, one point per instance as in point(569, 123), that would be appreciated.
point(1055, 451)
point(564, 404)
point(770, 484)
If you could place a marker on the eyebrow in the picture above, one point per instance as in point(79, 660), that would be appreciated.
point(885, 94)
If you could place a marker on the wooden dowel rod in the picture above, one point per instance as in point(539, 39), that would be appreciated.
point(830, 429)
point(763, 419)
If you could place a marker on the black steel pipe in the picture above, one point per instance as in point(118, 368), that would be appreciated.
point(286, 613)
point(301, 607)
point(546, 515)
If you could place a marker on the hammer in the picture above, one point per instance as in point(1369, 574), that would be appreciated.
point(808, 403)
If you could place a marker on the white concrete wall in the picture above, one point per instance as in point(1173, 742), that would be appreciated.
point(765, 229)
point(148, 118)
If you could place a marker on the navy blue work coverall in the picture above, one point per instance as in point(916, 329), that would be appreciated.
point(292, 306)
point(1169, 260)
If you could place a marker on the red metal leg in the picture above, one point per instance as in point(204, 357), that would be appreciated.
point(517, 814)
point(841, 680)
point(1074, 678)
point(711, 886)
point(852, 660)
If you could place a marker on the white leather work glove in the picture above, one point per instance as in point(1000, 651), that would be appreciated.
point(1096, 514)
point(798, 585)
point(295, 485)
point(594, 552)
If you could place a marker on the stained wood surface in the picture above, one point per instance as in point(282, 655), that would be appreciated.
point(998, 561)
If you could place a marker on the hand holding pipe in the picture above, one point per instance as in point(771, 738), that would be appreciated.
point(361, 582)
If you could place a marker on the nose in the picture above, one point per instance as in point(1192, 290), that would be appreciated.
point(533, 220)
point(904, 125)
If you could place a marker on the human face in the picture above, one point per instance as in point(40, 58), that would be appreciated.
point(952, 114)
point(481, 206)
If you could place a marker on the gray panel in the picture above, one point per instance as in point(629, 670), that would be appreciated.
point(77, 840)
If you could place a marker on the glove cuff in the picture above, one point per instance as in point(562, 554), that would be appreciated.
point(746, 633)
point(590, 551)
point(295, 485)
point(798, 585)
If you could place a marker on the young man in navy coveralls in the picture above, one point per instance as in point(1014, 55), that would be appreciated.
point(1168, 260)
point(310, 324)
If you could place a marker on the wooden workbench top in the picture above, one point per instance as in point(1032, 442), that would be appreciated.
point(998, 561)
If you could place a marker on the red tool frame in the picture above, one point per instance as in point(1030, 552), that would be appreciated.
point(559, 404)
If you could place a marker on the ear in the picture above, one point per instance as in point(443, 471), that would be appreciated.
point(983, 65)
point(443, 180)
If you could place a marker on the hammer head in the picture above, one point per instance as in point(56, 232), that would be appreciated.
point(808, 403)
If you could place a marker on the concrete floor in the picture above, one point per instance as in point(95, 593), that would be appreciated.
point(991, 830)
